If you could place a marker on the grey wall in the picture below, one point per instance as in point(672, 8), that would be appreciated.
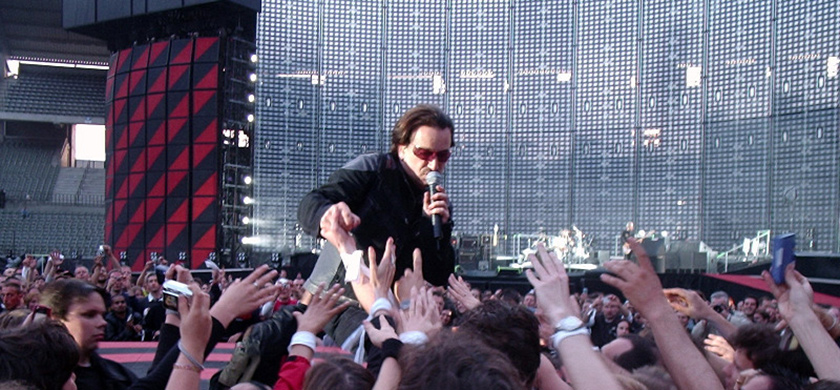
point(754, 146)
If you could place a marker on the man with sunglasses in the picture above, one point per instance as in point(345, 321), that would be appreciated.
point(376, 196)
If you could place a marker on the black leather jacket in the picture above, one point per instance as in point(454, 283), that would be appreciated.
point(377, 189)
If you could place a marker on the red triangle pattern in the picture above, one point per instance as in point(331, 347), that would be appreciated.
point(209, 188)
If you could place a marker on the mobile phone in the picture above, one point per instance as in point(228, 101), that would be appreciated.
point(171, 291)
point(783, 246)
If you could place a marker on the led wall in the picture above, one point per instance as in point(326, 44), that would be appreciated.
point(162, 147)
point(711, 119)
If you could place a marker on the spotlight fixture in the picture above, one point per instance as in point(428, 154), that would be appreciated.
point(254, 58)
point(252, 77)
point(250, 118)
point(248, 200)
point(247, 180)
point(251, 98)
point(246, 220)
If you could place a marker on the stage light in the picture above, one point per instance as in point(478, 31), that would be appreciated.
point(246, 220)
point(250, 118)
point(254, 58)
point(248, 200)
point(252, 77)
point(247, 180)
point(251, 98)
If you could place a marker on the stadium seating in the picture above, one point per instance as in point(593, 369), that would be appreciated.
point(28, 168)
point(42, 231)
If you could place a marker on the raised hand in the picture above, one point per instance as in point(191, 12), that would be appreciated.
point(551, 284)
point(639, 283)
point(382, 272)
point(719, 346)
point(687, 302)
point(245, 295)
point(196, 324)
point(411, 278)
point(460, 293)
point(336, 224)
point(422, 314)
point(378, 336)
point(794, 295)
point(321, 309)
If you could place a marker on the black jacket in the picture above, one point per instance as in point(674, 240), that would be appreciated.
point(103, 374)
point(117, 330)
point(377, 189)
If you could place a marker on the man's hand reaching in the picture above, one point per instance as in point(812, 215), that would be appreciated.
point(336, 225)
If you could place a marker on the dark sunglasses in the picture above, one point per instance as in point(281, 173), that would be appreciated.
point(428, 155)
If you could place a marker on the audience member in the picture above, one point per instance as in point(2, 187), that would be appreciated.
point(603, 324)
point(42, 354)
point(123, 323)
point(81, 308)
point(12, 294)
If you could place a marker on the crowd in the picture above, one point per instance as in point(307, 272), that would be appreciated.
point(383, 291)
point(435, 338)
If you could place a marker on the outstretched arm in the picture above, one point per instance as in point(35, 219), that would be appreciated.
point(642, 287)
point(795, 298)
point(551, 283)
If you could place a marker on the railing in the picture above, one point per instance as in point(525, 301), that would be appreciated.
point(79, 199)
point(752, 249)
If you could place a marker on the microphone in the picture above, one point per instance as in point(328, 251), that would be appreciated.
point(434, 178)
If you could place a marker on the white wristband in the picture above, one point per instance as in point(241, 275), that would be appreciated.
point(304, 338)
point(415, 337)
point(380, 304)
point(558, 337)
point(352, 265)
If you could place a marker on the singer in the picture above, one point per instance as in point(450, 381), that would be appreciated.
point(376, 196)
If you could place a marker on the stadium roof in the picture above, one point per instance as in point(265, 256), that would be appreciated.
point(33, 29)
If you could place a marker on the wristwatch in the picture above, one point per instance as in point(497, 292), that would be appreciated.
point(569, 326)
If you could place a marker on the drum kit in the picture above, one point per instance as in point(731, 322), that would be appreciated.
point(571, 246)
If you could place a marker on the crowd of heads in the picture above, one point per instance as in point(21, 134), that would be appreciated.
point(498, 340)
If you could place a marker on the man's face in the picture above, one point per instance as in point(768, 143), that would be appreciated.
point(611, 309)
point(12, 297)
point(117, 281)
point(530, 300)
point(81, 273)
point(86, 322)
point(152, 284)
point(118, 304)
point(750, 305)
point(429, 140)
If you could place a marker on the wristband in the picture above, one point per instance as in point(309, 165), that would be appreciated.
point(414, 337)
point(391, 348)
point(352, 265)
point(558, 337)
point(380, 304)
point(302, 337)
point(189, 357)
point(186, 367)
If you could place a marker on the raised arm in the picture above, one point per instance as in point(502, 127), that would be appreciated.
point(571, 340)
point(691, 304)
point(642, 287)
point(796, 298)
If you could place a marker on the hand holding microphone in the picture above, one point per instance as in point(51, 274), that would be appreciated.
point(436, 202)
